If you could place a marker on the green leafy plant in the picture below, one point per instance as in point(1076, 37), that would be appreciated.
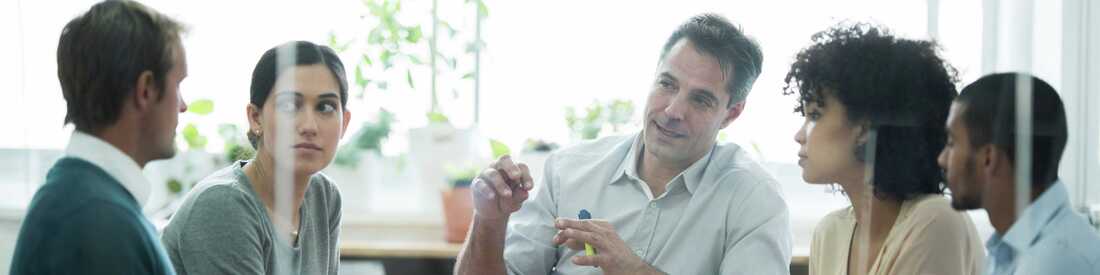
point(237, 146)
point(369, 138)
point(533, 145)
point(615, 113)
point(619, 113)
point(196, 140)
point(461, 175)
point(437, 117)
point(391, 44)
point(587, 126)
point(174, 186)
point(393, 50)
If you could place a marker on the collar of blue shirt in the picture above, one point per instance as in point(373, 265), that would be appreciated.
point(629, 166)
point(112, 160)
point(1025, 231)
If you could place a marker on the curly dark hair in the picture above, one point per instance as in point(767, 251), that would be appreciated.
point(901, 89)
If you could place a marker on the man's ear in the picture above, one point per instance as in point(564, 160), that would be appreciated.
point(986, 160)
point(1004, 164)
point(145, 91)
point(732, 113)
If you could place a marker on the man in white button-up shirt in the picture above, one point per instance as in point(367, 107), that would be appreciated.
point(667, 200)
point(120, 65)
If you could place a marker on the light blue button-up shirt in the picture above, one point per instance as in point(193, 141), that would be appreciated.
point(1048, 238)
point(722, 215)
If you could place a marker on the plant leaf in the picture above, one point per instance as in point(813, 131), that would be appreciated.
point(194, 139)
point(499, 148)
point(482, 9)
point(415, 60)
point(437, 117)
point(386, 58)
point(174, 186)
point(201, 107)
point(367, 60)
point(415, 33)
point(360, 80)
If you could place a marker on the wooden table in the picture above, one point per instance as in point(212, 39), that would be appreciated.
point(420, 248)
point(410, 248)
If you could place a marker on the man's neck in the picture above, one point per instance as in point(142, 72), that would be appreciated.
point(1002, 209)
point(124, 140)
point(657, 173)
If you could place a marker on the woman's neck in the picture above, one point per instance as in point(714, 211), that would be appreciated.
point(261, 173)
point(875, 215)
point(874, 219)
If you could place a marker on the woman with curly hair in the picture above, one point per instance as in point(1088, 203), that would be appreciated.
point(874, 107)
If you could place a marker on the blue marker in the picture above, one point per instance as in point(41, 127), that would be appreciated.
point(584, 215)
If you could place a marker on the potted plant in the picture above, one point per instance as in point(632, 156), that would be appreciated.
point(391, 52)
point(616, 113)
point(457, 201)
point(360, 167)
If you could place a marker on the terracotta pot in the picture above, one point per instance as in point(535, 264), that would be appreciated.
point(458, 212)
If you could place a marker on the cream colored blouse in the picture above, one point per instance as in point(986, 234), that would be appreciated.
point(929, 237)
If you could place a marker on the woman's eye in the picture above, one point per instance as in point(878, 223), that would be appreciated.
point(326, 107)
point(287, 106)
point(814, 115)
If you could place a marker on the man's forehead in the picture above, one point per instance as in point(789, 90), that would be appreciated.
point(686, 63)
point(954, 117)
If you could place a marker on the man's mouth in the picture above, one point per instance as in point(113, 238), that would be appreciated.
point(666, 132)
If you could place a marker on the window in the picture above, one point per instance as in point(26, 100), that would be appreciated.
point(539, 58)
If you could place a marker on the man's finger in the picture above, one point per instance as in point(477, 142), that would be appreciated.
point(583, 237)
point(584, 225)
point(496, 181)
point(601, 225)
point(589, 260)
point(528, 183)
point(483, 188)
point(512, 172)
point(567, 242)
point(517, 199)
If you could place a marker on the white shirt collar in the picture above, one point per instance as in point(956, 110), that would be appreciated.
point(112, 160)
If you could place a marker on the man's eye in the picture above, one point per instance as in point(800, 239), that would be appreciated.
point(701, 101)
point(665, 84)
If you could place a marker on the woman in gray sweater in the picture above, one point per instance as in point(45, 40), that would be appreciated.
point(275, 213)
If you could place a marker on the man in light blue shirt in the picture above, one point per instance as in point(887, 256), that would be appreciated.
point(667, 200)
point(1046, 237)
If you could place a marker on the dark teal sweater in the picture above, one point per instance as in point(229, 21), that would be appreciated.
point(83, 221)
